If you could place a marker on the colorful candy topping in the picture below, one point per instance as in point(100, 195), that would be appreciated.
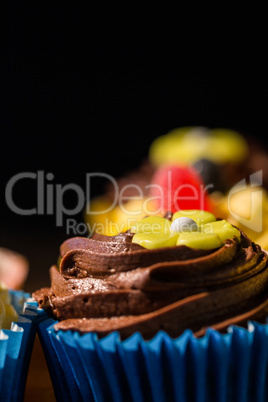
point(188, 144)
point(247, 209)
point(223, 229)
point(199, 216)
point(176, 187)
point(200, 240)
point(152, 240)
point(192, 228)
point(154, 232)
point(183, 224)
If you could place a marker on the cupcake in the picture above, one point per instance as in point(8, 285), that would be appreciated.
point(17, 333)
point(173, 309)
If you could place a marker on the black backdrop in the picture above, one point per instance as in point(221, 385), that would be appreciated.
point(79, 95)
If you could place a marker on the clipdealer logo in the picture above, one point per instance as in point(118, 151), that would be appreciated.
point(52, 199)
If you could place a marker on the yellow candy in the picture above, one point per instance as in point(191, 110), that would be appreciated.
point(227, 146)
point(199, 240)
point(223, 229)
point(2, 312)
point(152, 240)
point(151, 224)
point(154, 231)
point(263, 241)
point(4, 293)
point(128, 214)
point(246, 208)
point(10, 316)
point(188, 144)
point(200, 217)
point(167, 148)
point(101, 215)
point(7, 312)
point(111, 221)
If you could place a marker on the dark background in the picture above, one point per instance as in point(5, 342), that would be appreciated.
point(85, 92)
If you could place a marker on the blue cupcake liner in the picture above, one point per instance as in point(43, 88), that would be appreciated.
point(16, 346)
point(216, 367)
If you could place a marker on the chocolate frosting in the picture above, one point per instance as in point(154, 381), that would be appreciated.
point(107, 283)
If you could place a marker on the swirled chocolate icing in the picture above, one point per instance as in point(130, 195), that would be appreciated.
point(108, 283)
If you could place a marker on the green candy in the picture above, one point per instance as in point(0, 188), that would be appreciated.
point(152, 240)
point(199, 240)
point(151, 224)
point(156, 232)
point(153, 232)
point(223, 229)
point(188, 144)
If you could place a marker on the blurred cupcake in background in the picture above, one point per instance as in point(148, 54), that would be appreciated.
point(210, 162)
point(17, 328)
point(17, 334)
point(234, 169)
point(219, 155)
point(14, 268)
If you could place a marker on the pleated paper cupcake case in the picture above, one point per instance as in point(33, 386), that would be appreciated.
point(216, 367)
point(16, 346)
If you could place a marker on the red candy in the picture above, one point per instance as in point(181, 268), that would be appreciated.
point(179, 187)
